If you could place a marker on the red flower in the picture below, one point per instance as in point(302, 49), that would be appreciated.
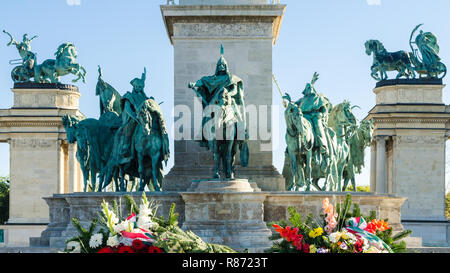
point(106, 250)
point(125, 249)
point(305, 248)
point(291, 235)
point(358, 246)
point(137, 244)
point(376, 225)
point(154, 249)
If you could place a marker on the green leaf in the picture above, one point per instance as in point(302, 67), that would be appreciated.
point(295, 218)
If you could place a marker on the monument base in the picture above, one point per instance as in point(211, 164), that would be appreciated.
point(267, 178)
point(227, 212)
point(433, 233)
point(19, 235)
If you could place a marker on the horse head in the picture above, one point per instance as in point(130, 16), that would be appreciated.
point(341, 115)
point(373, 46)
point(293, 114)
point(70, 123)
point(66, 50)
point(366, 131)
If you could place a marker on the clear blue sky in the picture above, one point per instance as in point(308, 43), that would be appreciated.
point(326, 36)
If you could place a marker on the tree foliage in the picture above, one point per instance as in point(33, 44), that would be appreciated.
point(4, 199)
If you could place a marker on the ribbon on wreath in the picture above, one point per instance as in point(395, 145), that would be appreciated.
point(357, 226)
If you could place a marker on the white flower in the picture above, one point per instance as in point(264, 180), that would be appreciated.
point(113, 241)
point(144, 210)
point(351, 237)
point(335, 236)
point(124, 225)
point(96, 240)
point(343, 246)
point(145, 222)
point(73, 247)
point(322, 250)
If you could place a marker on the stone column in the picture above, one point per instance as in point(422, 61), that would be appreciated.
point(381, 164)
point(248, 30)
point(73, 169)
point(38, 155)
point(373, 166)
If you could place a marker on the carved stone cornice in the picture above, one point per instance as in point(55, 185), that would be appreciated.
point(9, 124)
point(255, 15)
point(411, 120)
point(419, 139)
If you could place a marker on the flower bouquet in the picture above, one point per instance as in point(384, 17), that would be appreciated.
point(337, 230)
point(141, 232)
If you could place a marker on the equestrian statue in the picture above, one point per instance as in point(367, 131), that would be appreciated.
point(129, 140)
point(224, 117)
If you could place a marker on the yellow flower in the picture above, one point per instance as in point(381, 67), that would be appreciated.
point(312, 249)
point(319, 231)
point(316, 232)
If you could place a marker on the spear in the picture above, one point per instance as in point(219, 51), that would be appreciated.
point(279, 90)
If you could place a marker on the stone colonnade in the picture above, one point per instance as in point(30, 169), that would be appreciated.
point(42, 163)
point(408, 151)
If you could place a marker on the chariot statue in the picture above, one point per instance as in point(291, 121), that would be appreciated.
point(423, 59)
point(48, 71)
point(222, 96)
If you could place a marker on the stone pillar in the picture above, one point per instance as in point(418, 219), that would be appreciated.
point(412, 113)
point(247, 29)
point(38, 154)
point(373, 166)
point(73, 169)
point(381, 165)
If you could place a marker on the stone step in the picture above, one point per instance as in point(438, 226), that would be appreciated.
point(30, 250)
point(428, 250)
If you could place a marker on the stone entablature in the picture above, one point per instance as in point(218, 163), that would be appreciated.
point(223, 21)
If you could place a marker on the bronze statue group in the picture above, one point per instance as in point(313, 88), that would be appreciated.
point(129, 141)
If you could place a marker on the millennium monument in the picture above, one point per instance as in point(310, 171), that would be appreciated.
point(223, 184)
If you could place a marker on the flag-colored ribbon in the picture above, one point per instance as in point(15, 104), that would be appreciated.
point(356, 225)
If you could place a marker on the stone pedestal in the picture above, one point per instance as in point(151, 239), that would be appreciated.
point(411, 127)
point(41, 161)
point(227, 212)
point(247, 29)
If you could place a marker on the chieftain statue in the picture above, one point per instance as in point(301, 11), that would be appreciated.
point(224, 117)
point(427, 64)
point(323, 142)
point(129, 140)
point(50, 70)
